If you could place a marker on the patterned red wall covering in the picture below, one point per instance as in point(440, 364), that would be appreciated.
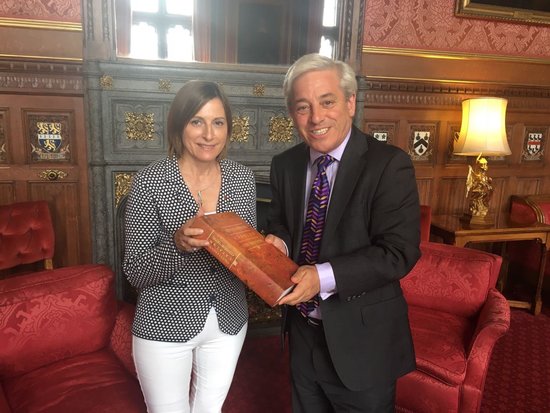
point(67, 11)
point(432, 25)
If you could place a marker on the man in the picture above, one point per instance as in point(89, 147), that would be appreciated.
point(347, 352)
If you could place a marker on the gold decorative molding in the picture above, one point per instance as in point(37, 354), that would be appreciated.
point(240, 129)
point(122, 185)
point(139, 126)
point(40, 24)
point(280, 129)
point(431, 54)
point(106, 82)
point(41, 57)
point(526, 12)
point(52, 174)
point(258, 89)
point(165, 85)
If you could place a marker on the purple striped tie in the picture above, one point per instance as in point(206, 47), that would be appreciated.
point(314, 224)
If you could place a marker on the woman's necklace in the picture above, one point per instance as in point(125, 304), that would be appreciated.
point(200, 192)
point(199, 195)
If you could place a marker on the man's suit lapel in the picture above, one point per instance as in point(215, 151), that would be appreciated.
point(349, 170)
point(298, 170)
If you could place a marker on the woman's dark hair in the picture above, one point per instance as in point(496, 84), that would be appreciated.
point(187, 102)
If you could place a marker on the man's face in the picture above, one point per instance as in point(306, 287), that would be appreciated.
point(320, 111)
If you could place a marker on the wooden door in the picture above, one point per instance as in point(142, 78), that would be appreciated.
point(43, 157)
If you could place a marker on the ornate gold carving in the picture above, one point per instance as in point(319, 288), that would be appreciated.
point(122, 184)
point(241, 129)
point(106, 82)
point(139, 126)
point(52, 174)
point(165, 85)
point(280, 129)
point(259, 312)
point(258, 89)
point(3, 151)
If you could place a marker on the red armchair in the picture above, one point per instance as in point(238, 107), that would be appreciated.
point(524, 256)
point(425, 222)
point(456, 317)
point(65, 344)
point(26, 235)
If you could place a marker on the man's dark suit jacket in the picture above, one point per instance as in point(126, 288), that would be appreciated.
point(371, 239)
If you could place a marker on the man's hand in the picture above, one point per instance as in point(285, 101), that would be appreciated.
point(307, 285)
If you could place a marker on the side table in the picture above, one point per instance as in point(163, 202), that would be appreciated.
point(454, 232)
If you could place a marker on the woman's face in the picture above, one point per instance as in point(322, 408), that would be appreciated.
point(205, 135)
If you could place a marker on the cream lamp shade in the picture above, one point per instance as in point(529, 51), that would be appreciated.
point(483, 128)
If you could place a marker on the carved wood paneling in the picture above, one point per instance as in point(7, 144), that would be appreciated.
point(424, 190)
point(451, 196)
point(529, 185)
point(7, 192)
point(40, 78)
point(4, 152)
point(57, 173)
point(419, 95)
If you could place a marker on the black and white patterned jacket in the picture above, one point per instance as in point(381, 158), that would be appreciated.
point(176, 289)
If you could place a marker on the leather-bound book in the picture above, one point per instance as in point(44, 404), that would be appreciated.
point(243, 250)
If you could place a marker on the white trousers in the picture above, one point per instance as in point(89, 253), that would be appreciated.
point(190, 377)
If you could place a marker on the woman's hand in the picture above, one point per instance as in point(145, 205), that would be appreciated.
point(184, 238)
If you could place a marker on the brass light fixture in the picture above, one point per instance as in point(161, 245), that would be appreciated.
point(482, 134)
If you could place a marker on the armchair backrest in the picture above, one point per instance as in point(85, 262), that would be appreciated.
point(52, 315)
point(451, 279)
point(26, 234)
point(529, 209)
point(425, 222)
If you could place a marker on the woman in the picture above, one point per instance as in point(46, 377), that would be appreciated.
point(191, 315)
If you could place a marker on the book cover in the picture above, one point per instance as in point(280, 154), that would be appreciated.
point(243, 250)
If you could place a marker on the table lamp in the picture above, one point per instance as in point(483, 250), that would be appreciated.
point(482, 134)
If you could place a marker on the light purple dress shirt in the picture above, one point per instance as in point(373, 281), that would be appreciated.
point(326, 274)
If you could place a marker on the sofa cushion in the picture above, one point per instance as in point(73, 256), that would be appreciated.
point(439, 343)
point(88, 383)
point(451, 279)
point(54, 315)
point(418, 393)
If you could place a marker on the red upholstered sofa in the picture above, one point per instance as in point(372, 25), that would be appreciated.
point(65, 344)
point(456, 317)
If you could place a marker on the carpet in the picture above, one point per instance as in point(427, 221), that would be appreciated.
point(518, 380)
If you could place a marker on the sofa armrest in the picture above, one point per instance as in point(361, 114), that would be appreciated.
point(493, 323)
point(4, 406)
point(121, 337)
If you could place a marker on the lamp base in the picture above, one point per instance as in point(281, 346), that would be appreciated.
point(477, 221)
